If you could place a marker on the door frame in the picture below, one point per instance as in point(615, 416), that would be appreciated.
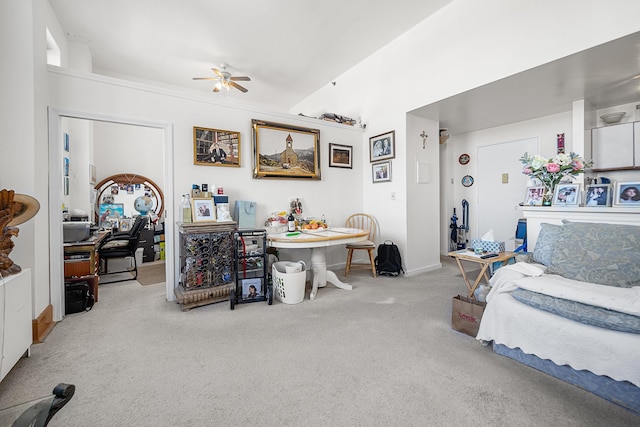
point(56, 264)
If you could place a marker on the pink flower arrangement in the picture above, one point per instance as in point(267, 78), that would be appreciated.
point(551, 171)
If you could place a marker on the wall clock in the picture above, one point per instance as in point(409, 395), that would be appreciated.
point(464, 159)
point(467, 180)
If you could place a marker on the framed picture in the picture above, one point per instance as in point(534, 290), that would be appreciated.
point(534, 196)
point(109, 211)
point(215, 147)
point(251, 288)
point(66, 185)
point(627, 194)
point(66, 142)
point(598, 195)
point(566, 195)
point(381, 172)
point(125, 224)
point(65, 166)
point(284, 151)
point(202, 209)
point(340, 156)
point(383, 146)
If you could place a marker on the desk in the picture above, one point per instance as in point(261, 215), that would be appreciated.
point(318, 241)
point(465, 255)
point(81, 258)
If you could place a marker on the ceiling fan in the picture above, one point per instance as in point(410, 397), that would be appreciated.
point(225, 80)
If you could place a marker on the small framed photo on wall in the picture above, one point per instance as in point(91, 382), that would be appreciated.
point(566, 195)
point(598, 195)
point(340, 156)
point(627, 194)
point(382, 147)
point(381, 172)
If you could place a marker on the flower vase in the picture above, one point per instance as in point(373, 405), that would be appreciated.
point(548, 195)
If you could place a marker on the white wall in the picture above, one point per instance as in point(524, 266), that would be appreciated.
point(464, 45)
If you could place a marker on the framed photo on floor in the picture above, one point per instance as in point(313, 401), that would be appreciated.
point(566, 195)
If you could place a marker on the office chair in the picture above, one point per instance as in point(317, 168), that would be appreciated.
point(121, 245)
point(363, 222)
point(40, 411)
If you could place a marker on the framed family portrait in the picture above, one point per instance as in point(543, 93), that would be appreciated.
point(285, 151)
point(598, 195)
point(382, 147)
point(566, 195)
point(534, 196)
point(627, 194)
point(202, 209)
point(215, 147)
point(340, 156)
point(381, 172)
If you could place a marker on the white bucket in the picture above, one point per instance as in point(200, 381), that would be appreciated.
point(289, 279)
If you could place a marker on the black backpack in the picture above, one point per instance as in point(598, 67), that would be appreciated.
point(78, 297)
point(389, 261)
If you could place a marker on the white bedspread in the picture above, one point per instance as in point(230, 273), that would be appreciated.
point(563, 341)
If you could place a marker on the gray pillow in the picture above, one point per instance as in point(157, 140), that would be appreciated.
point(605, 254)
point(547, 239)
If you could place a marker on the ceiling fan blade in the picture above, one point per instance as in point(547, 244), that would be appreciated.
point(240, 79)
point(205, 78)
point(237, 86)
point(218, 72)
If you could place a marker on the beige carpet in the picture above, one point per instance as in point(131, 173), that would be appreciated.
point(151, 273)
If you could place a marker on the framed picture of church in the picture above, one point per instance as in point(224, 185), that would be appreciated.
point(285, 151)
point(215, 147)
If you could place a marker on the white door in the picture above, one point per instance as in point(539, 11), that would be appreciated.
point(497, 201)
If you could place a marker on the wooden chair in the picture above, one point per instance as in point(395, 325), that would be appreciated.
point(364, 222)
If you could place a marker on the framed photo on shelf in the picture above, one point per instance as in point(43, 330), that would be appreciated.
point(566, 195)
point(215, 147)
point(285, 151)
point(381, 172)
point(534, 196)
point(202, 209)
point(627, 194)
point(598, 195)
point(340, 156)
point(382, 147)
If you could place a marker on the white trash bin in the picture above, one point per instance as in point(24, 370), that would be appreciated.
point(289, 280)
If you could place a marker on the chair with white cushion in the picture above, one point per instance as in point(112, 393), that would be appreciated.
point(370, 224)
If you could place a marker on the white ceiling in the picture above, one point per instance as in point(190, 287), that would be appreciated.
point(291, 48)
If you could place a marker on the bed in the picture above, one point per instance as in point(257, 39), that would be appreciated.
point(573, 311)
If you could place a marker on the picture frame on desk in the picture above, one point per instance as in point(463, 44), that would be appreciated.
point(566, 195)
point(534, 196)
point(202, 209)
point(598, 195)
point(627, 194)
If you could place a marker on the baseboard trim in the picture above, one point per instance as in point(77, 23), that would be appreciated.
point(42, 325)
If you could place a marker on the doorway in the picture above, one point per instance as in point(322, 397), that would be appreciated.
point(164, 145)
point(502, 186)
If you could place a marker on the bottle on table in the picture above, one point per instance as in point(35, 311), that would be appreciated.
point(291, 222)
point(186, 209)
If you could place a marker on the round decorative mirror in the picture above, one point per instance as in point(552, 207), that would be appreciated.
point(127, 195)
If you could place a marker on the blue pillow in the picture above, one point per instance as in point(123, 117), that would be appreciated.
point(547, 239)
point(606, 254)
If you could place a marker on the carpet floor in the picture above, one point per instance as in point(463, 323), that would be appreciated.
point(151, 273)
point(382, 354)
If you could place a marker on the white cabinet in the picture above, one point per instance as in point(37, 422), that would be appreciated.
point(15, 308)
point(612, 147)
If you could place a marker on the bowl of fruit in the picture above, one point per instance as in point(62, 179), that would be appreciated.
point(313, 226)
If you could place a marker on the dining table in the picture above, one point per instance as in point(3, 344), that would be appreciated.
point(318, 241)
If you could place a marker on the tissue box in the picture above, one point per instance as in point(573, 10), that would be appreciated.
point(488, 245)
